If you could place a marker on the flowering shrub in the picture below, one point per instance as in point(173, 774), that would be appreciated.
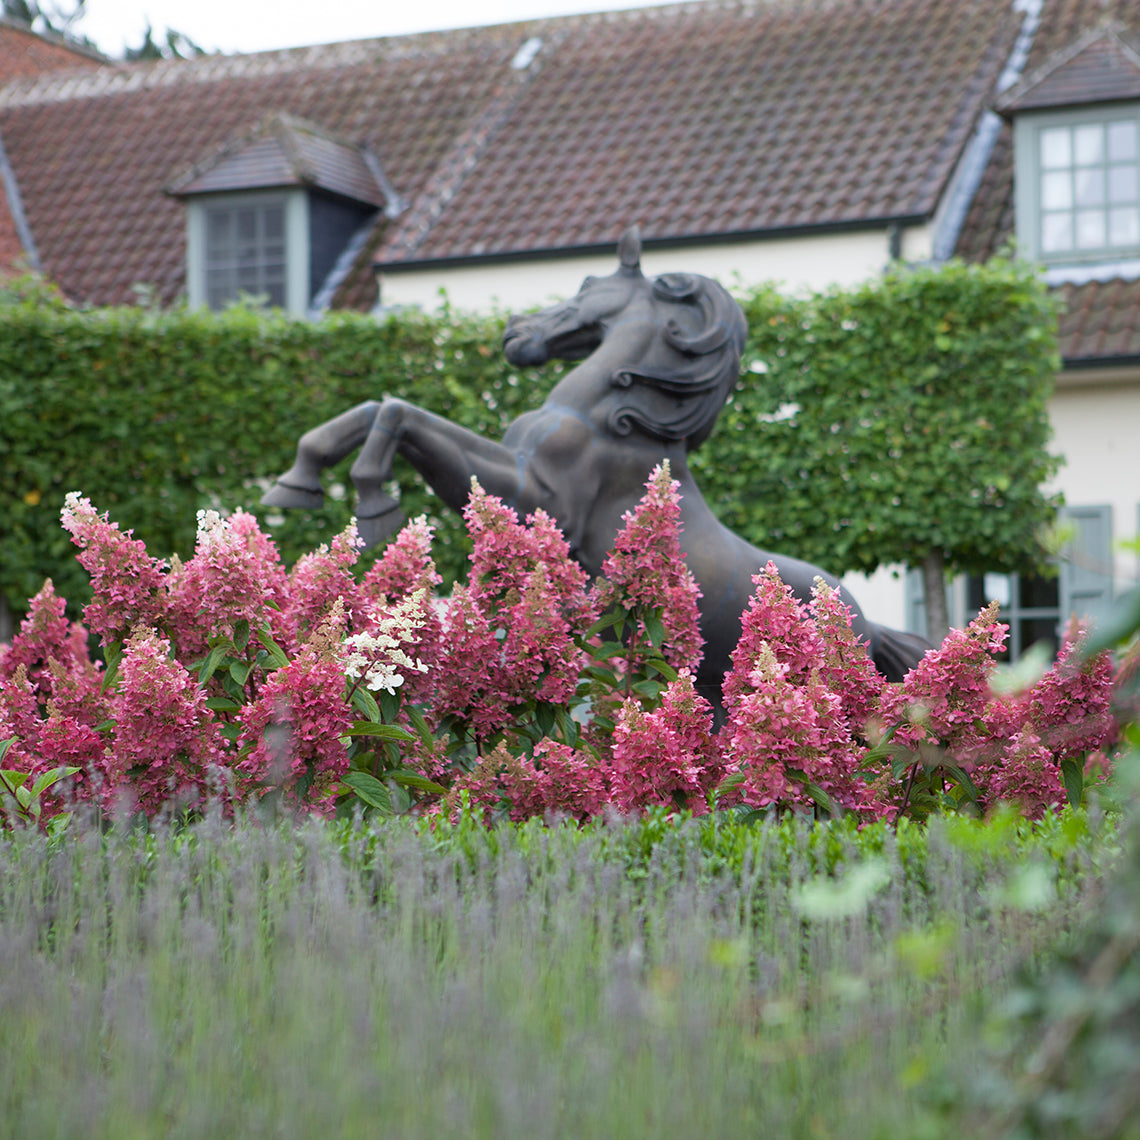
point(528, 691)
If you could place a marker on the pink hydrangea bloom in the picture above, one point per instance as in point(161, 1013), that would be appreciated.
point(646, 569)
point(1028, 775)
point(165, 739)
point(468, 676)
point(845, 666)
point(66, 740)
point(558, 781)
point(235, 575)
point(294, 728)
point(320, 578)
point(666, 756)
point(405, 566)
point(785, 732)
point(52, 652)
point(129, 585)
point(510, 636)
point(946, 699)
point(775, 623)
point(1070, 707)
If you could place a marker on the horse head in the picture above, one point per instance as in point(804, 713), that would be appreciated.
point(674, 387)
point(573, 329)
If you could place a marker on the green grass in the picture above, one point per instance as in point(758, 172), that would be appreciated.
point(653, 980)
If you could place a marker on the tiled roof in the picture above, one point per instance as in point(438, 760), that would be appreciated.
point(696, 120)
point(94, 153)
point(26, 53)
point(1091, 42)
point(285, 151)
point(1099, 68)
point(718, 118)
point(1101, 321)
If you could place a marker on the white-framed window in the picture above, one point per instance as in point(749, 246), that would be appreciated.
point(252, 244)
point(1078, 184)
point(1036, 609)
point(245, 251)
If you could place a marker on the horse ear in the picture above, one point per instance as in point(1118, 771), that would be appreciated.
point(629, 252)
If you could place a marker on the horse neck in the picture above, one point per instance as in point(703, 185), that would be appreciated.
point(627, 345)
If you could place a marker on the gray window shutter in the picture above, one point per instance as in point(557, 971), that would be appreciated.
point(1086, 564)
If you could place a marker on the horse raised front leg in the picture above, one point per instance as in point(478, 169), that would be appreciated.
point(444, 453)
point(325, 445)
point(378, 515)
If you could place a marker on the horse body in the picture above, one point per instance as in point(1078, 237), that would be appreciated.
point(658, 359)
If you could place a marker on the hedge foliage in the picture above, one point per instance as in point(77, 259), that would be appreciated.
point(905, 416)
point(154, 416)
point(920, 419)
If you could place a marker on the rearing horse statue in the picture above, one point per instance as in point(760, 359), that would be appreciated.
point(659, 357)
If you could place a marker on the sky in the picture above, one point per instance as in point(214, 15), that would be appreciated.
point(244, 25)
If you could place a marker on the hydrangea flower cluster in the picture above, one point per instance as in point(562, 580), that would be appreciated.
point(646, 571)
point(332, 688)
point(166, 741)
point(512, 636)
point(129, 585)
point(377, 657)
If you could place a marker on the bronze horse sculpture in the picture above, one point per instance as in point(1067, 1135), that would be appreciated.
point(659, 357)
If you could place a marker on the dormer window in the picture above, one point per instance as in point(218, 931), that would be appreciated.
point(245, 250)
point(279, 214)
point(1087, 185)
point(1077, 154)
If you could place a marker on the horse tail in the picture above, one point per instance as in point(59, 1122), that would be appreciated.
point(894, 651)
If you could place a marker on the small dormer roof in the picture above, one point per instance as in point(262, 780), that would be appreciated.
point(285, 151)
point(1099, 67)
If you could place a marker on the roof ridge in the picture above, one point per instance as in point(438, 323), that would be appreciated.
point(1106, 29)
point(131, 76)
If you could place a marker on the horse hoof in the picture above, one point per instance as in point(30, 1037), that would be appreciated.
point(376, 528)
point(301, 498)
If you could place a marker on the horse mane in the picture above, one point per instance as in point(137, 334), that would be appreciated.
point(682, 401)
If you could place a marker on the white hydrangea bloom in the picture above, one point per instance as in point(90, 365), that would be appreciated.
point(377, 657)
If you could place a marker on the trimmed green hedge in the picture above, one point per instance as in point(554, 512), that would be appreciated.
point(925, 387)
point(154, 416)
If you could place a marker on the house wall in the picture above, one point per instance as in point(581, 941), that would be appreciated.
point(806, 262)
point(1096, 427)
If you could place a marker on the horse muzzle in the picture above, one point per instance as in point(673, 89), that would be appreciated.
point(524, 347)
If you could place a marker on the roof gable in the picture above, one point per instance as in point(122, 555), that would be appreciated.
point(286, 151)
point(1100, 67)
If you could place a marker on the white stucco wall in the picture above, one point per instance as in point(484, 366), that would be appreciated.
point(794, 263)
point(1096, 427)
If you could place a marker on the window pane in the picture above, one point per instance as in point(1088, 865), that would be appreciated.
point(1056, 191)
point(246, 225)
point(1039, 593)
point(1055, 148)
point(1056, 232)
point(1124, 226)
point(1121, 142)
point(1033, 630)
point(218, 229)
point(996, 588)
point(246, 252)
point(1122, 184)
point(1091, 229)
point(1090, 186)
point(1089, 145)
point(274, 223)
